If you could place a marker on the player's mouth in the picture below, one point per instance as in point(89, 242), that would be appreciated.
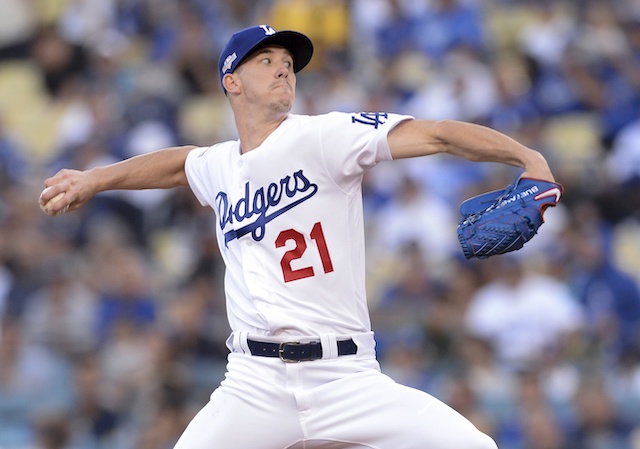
point(281, 84)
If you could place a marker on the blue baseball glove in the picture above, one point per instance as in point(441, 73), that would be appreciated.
point(504, 220)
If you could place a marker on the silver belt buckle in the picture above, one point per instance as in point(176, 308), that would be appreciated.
point(281, 351)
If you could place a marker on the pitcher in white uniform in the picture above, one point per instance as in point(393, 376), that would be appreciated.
point(288, 200)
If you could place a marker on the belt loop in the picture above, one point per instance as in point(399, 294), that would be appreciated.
point(240, 342)
point(329, 346)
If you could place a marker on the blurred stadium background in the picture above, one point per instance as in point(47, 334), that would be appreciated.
point(112, 320)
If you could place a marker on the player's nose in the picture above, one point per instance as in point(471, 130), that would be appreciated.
point(283, 70)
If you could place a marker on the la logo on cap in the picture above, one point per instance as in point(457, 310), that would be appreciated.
point(268, 30)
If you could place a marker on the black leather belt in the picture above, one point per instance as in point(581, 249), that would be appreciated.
point(291, 351)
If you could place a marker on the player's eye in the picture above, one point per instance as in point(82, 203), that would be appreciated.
point(266, 60)
point(288, 64)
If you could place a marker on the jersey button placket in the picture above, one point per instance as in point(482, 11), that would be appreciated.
point(241, 174)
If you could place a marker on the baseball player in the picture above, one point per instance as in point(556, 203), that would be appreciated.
point(302, 369)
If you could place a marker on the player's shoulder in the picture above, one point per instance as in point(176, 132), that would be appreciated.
point(327, 122)
point(374, 119)
point(322, 117)
point(314, 123)
point(316, 119)
point(213, 150)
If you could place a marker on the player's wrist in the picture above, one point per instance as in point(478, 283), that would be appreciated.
point(537, 167)
point(98, 179)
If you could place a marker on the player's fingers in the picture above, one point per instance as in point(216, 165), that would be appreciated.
point(53, 205)
point(48, 193)
point(64, 181)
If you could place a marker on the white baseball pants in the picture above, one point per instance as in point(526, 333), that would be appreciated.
point(335, 403)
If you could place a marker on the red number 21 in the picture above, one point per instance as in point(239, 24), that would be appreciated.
point(296, 253)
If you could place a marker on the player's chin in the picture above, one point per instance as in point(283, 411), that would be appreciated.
point(282, 106)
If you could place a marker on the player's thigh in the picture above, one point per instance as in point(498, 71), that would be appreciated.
point(228, 421)
point(251, 409)
point(379, 413)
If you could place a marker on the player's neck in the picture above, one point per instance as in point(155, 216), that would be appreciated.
point(254, 132)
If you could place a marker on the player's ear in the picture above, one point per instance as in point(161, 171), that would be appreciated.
point(231, 83)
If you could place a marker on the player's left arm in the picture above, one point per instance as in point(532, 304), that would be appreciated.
point(413, 138)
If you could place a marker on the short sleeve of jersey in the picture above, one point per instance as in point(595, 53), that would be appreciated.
point(354, 142)
point(197, 175)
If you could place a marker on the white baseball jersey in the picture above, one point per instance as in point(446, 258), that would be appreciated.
point(290, 222)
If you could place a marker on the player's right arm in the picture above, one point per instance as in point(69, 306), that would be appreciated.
point(161, 169)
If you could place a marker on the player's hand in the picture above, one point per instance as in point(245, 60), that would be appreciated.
point(76, 186)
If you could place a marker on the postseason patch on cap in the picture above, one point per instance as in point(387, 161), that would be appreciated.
point(227, 62)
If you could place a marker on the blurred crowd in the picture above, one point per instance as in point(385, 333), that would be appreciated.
point(112, 318)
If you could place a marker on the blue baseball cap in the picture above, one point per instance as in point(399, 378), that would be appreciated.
point(246, 41)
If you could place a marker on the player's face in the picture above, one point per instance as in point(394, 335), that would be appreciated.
point(268, 76)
